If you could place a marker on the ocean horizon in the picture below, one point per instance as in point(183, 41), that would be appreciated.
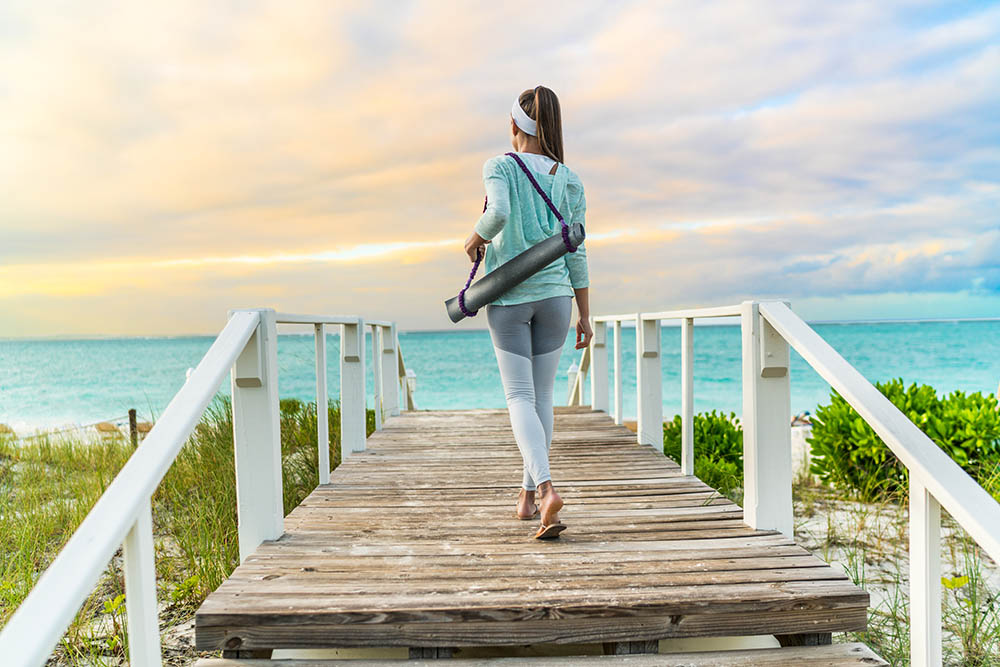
point(51, 383)
point(705, 322)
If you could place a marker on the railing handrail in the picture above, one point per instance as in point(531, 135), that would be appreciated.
point(403, 375)
point(968, 503)
point(624, 317)
point(36, 626)
point(122, 513)
point(769, 329)
point(680, 314)
point(694, 313)
point(971, 506)
point(296, 318)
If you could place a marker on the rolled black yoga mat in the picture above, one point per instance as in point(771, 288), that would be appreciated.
point(493, 285)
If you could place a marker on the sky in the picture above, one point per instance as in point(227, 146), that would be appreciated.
point(164, 162)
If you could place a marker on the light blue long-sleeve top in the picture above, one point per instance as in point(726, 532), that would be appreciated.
point(517, 218)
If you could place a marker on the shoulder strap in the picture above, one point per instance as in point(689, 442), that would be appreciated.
point(538, 188)
point(480, 252)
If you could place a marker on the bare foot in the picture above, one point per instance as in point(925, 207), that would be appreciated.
point(526, 507)
point(551, 503)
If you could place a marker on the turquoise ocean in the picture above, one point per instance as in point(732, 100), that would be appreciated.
point(53, 383)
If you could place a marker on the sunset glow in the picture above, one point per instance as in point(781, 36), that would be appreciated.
point(164, 162)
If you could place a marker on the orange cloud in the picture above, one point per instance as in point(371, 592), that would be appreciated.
point(173, 152)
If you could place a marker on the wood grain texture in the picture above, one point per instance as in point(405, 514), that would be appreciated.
point(414, 543)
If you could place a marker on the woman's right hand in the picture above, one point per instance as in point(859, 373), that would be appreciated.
point(473, 244)
point(584, 333)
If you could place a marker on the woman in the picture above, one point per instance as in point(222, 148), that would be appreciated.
point(528, 324)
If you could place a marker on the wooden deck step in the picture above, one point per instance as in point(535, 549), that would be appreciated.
point(835, 655)
point(414, 543)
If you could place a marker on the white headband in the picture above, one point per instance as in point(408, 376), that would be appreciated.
point(522, 120)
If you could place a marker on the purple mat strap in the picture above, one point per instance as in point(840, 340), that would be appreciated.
point(479, 250)
point(472, 274)
point(538, 188)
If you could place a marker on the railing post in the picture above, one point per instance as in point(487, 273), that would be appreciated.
point(405, 374)
point(405, 400)
point(390, 372)
point(411, 383)
point(577, 376)
point(599, 367)
point(353, 428)
point(618, 372)
point(322, 411)
point(687, 396)
point(649, 383)
point(575, 384)
point(257, 438)
point(925, 576)
point(140, 591)
point(767, 439)
point(377, 375)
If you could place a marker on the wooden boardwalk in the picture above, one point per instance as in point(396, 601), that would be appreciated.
point(414, 543)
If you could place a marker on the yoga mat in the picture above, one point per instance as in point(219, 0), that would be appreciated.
point(494, 284)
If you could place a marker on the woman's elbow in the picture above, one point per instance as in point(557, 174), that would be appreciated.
point(501, 213)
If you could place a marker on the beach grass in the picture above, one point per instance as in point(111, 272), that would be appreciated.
point(862, 529)
point(47, 486)
point(868, 539)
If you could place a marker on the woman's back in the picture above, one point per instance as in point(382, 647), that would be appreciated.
point(517, 218)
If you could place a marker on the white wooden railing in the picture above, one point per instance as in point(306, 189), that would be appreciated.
point(768, 329)
point(247, 350)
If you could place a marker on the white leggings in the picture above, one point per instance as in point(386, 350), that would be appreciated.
point(528, 339)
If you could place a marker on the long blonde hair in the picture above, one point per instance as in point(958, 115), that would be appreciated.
point(542, 106)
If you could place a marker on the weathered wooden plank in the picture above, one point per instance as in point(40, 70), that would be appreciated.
point(312, 543)
point(427, 511)
point(413, 543)
point(393, 568)
point(362, 606)
point(470, 543)
point(610, 493)
point(487, 588)
point(502, 495)
point(411, 559)
point(536, 630)
point(500, 522)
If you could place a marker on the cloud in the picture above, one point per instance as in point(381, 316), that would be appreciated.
point(162, 155)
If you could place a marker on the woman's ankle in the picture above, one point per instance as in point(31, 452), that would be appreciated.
point(550, 503)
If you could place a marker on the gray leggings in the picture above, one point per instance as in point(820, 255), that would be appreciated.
point(528, 339)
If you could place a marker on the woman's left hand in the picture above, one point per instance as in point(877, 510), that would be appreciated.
point(472, 245)
point(584, 333)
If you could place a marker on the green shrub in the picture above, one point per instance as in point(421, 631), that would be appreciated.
point(969, 430)
point(718, 448)
point(847, 453)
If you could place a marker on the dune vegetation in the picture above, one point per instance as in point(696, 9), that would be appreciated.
point(850, 509)
point(47, 486)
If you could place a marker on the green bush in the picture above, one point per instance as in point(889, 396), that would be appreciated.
point(847, 453)
point(718, 448)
